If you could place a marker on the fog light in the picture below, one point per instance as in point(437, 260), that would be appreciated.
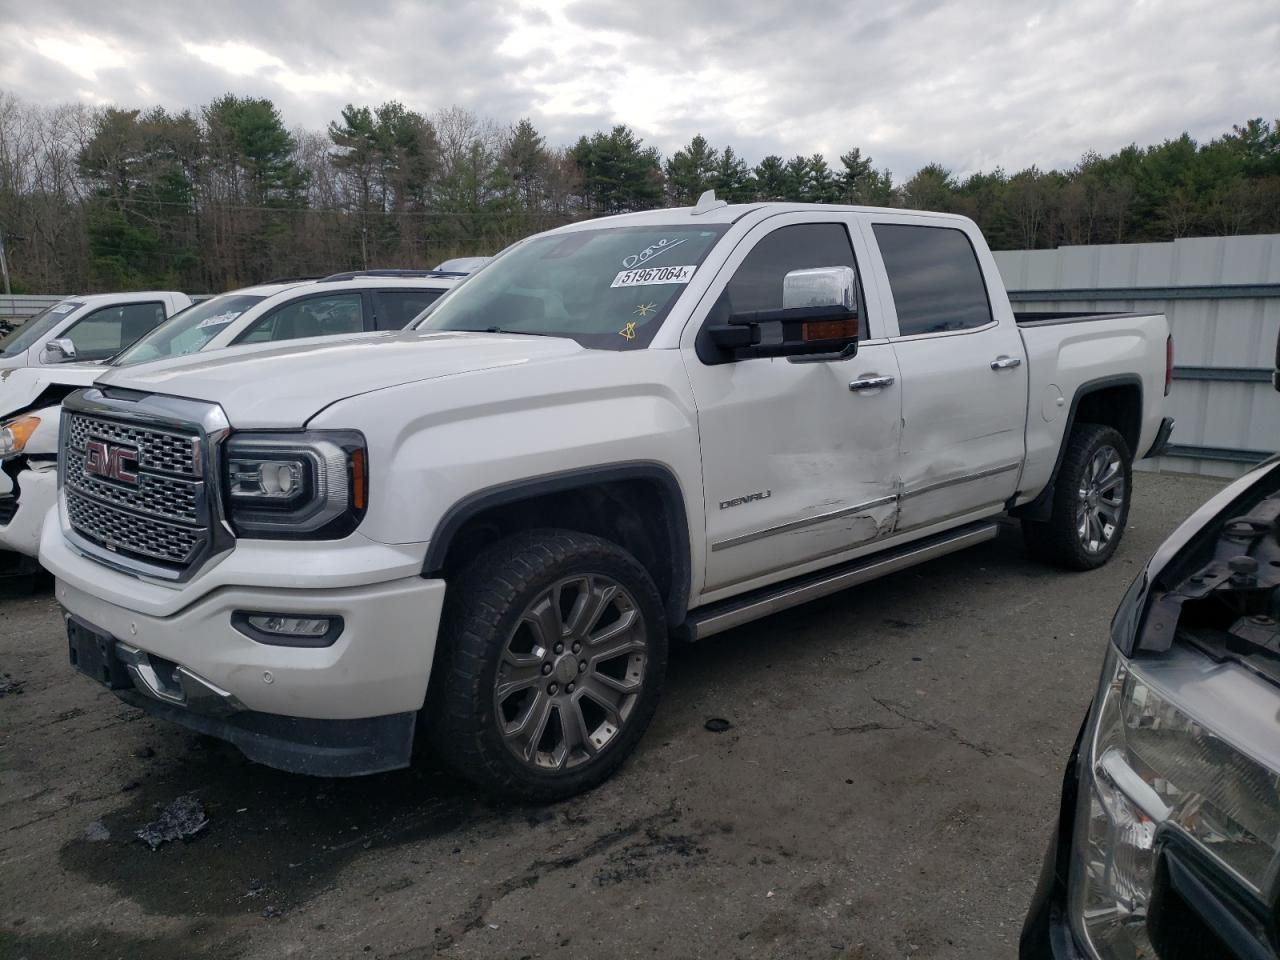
point(290, 626)
point(287, 630)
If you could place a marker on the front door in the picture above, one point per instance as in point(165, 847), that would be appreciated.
point(798, 465)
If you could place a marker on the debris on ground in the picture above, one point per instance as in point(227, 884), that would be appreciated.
point(10, 686)
point(180, 820)
point(717, 724)
point(97, 832)
point(272, 912)
point(256, 888)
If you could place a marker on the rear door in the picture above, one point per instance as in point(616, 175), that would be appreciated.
point(964, 376)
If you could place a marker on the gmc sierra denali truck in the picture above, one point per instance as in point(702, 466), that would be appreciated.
point(268, 313)
point(487, 527)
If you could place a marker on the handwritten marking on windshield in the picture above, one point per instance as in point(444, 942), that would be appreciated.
point(629, 331)
point(651, 251)
point(644, 309)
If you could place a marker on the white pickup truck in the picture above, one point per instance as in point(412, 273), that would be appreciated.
point(90, 327)
point(265, 314)
point(487, 528)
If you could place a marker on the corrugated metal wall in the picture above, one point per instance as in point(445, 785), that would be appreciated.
point(1222, 298)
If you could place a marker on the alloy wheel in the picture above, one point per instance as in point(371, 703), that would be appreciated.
point(1100, 500)
point(570, 672)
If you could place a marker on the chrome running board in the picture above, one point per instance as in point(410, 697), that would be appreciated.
point(718, 617)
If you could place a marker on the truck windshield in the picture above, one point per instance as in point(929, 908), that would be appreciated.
point(607, 288)
point(188, 330)
point(30, 332)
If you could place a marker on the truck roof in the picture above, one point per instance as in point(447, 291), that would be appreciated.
point(716, 212)
point(91, 298)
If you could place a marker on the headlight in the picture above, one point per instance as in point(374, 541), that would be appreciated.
point(14, 435)
point(1149, 770)
point(310, 485)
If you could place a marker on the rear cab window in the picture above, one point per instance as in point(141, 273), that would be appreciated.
point(935, 278)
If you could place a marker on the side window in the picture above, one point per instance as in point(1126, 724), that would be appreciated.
point(757, 283)
point(322, 316)
point(395, 308)
point(935, 278)
point(106, 332)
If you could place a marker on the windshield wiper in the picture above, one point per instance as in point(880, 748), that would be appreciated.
point(518, 333)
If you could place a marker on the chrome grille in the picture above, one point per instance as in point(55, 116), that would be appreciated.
point(160, 496)
point(156, 514)
point(121, 530)
point(157, 449)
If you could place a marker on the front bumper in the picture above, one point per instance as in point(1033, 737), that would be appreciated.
point(377, 667)
point(35, 493)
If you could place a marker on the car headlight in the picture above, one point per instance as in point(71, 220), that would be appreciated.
point(14, 435)
point(1148, 771)
point(310, 485)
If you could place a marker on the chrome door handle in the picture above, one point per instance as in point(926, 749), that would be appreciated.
point(1004, 363)
point(870, 383)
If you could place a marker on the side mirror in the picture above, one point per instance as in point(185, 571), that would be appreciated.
point(59, 350)
point(819, 317)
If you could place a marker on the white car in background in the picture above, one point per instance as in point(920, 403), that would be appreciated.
point(30, 399)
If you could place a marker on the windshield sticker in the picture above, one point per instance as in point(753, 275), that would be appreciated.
point(644, 309)
point(629, 331)
point(218, 320)
point(64, 308)
point(646, 276)
point(651, 251)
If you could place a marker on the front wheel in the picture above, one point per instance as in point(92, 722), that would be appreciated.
point(1090, 501)
point(552, 656)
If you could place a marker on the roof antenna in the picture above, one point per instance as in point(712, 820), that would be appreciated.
point(708, 202)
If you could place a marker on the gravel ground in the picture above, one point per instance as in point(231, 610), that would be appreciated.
point(884, 791)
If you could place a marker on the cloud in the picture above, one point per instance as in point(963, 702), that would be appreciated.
point(973, 86)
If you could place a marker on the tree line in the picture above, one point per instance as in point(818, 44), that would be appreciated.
point(227, 195)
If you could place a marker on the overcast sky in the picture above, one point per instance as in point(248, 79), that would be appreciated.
point(972, 85)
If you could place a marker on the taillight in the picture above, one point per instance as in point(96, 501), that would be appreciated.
point(1168, 365)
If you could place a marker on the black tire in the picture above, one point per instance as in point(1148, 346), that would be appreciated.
point(488, 614)
point(1065, 538)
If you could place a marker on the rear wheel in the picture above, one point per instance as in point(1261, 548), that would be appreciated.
point(553, 651)
point(1090, 501)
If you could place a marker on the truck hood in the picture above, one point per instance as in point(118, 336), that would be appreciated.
point(284, 385)
point(21, 387)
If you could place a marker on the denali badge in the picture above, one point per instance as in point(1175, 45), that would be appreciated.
point(115, 463)
point(749, 498)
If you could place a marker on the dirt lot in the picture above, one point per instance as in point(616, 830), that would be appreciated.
point(884, 791)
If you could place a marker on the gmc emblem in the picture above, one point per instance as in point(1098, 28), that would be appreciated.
point(115, 463)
